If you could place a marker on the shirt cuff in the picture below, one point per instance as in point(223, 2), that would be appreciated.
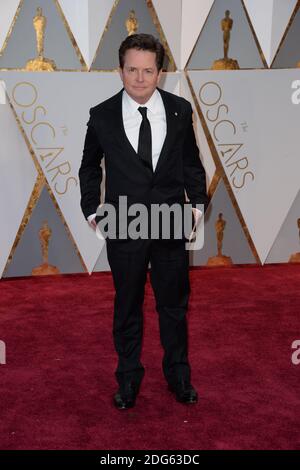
point(198, 212)
point(91, 217)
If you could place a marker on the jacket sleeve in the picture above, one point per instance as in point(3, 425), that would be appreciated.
point(90, 172)
point(194, 173)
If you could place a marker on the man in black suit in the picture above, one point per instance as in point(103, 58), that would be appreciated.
point(151, 157)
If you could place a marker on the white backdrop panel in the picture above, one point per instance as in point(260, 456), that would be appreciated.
point(17, 178)
point(194, 14)
point(270, 19)
point(55, 123)
point(172, 29)
point(87, 20)
point(8, 9)
point(255, 129)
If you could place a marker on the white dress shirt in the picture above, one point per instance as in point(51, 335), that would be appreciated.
point(156, 115)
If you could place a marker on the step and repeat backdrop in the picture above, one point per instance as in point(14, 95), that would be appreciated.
point(237, 62)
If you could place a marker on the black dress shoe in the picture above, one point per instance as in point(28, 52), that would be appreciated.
point(184, 392)
point(125, 397)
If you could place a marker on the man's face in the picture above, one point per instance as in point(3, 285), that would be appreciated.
point(139, 74)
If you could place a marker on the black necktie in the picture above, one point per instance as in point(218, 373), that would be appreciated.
point(145, 140)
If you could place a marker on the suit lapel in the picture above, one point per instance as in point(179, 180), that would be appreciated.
point(116, 123)
point(172, 116)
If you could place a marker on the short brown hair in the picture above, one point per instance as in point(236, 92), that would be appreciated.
point(145, 42)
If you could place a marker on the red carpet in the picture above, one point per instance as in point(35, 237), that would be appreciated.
point(57, 386)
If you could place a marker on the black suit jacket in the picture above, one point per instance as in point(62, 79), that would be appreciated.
point(178, 168)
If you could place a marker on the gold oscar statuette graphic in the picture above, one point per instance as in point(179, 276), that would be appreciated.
point(226, 63)
point(295, 258)
point(40, 63)
point(131, 23)
point(220, 259)
point(45, 268)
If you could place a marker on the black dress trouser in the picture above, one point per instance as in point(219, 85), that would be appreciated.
point(169, 275)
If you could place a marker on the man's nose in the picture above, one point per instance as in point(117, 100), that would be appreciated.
point(140, 76)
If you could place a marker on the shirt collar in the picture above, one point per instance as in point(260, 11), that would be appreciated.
point(152, 104)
